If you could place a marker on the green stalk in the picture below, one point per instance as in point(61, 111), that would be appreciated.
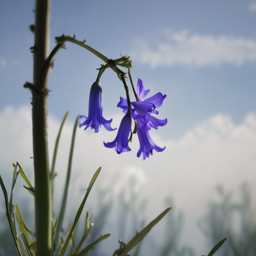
point(43, 211)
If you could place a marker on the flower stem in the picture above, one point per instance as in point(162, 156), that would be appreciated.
point(127, 93)
point(43, 212)
point(111, 63)
point(133, 88)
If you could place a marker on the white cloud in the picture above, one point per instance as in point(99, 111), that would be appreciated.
point(252, 7)
point(186, 49)
point(216, 151)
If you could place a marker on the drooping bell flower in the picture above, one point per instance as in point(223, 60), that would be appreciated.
point(147, 145)
point(122, 139)
point(95, 118)
point(143, 108)
point(156, 101)
point(141, 112)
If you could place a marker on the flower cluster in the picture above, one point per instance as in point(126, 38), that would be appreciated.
point(140, 111)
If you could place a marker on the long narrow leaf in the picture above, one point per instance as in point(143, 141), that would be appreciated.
point(90, 246)
point(138, 237)
point(65, 195)
point(24, 245)
point(8, 214)
point(22, 225)
point(54, 227)
point(87, 230)
point(25, 178)
point(79, 212)
point(217, 247)
point(14, 179)
point(52, 173)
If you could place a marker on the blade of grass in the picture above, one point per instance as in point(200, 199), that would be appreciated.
point(25, 178)
point(52, 174)
point(14, 179)
point(217, 247)
point(79, 212)
point(87, 230)
point(91, 245)
point(9, 216)
point(22, 224)
point(65, 195)
point(138, 237)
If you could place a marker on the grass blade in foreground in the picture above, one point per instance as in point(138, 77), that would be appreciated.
point(91, 245)
point(52, 174)
point(79, 212)
point(22, 225)
point(65, 195)
point(217, 247)
point(87, 230)
point(25, 178)
point(138, 237)
point(8, 214)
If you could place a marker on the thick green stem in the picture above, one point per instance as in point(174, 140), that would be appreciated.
point(43, 210)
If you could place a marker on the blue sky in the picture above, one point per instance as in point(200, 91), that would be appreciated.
point(200, 79)
point(202, 54)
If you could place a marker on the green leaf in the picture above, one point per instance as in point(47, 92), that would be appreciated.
point(217, 247)
point(32, 247)
point(87, 230)
point(23, 175)
point(24, 245)
point(30, 190)
point(52, 174)
point(138, 237)
point(22, 225)
point(54, 227)
point(90, 246)
point(9, 217)
point(78, 214)
point(65, 195)
point(137, 251)
point(14, 179)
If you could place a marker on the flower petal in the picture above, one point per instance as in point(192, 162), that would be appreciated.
point(122, 139)
point(147, 145)
point(151, 122)
point(142, 108)
point(140, 90)
point(123, 104)
point(156, 100)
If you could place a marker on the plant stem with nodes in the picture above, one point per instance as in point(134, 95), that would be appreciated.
point(43, 211)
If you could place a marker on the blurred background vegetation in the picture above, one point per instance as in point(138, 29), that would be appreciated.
point(224, 217)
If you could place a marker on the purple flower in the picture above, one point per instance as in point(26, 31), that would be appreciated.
point(122, 139)
point(95, 118)
point(143, 108)
point(146, 144)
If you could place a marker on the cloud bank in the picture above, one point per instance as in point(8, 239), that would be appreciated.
point(217, 151)
point(187, 49)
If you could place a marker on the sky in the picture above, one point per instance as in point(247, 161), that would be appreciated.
point(201, 54)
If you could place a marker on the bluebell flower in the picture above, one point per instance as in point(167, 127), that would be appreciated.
point(146, 144)
point(122, 139)
point(143, 108)
point(141, 112)
point(95, 118)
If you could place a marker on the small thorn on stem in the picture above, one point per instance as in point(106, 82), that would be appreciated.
point(32, 28)
point(32, 49)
